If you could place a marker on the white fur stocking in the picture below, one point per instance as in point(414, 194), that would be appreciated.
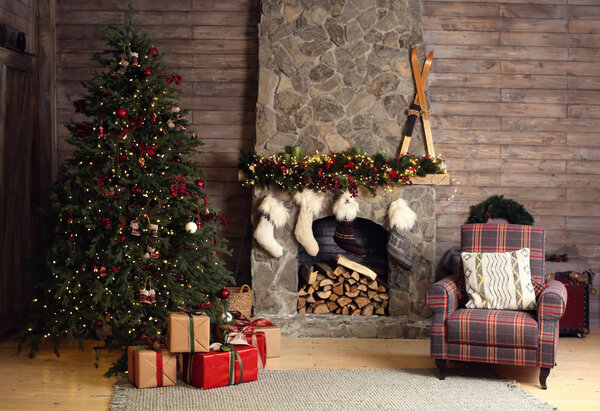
point(274, 215)
point(310, 205)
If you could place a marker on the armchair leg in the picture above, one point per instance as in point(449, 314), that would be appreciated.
point(544, 372)
point(441, 364)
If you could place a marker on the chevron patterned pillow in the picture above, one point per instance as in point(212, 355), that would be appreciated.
point(499, 280)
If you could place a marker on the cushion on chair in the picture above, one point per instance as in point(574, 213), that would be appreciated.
point(499, 238)
point(499, 280)
point(500, 328)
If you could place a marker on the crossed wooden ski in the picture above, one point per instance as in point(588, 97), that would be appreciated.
point(419, 106)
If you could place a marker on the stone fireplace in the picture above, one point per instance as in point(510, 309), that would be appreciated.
point(335, 74)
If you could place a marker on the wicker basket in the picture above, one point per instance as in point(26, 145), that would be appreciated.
point(240, 299)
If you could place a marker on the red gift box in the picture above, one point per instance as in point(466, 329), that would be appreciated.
point(221, 368)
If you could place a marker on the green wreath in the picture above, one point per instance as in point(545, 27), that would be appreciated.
point(498, 207)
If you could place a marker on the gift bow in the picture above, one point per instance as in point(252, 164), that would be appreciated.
point(155, 345)
point(259, 322)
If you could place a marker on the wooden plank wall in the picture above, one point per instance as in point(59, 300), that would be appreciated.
point(213, 44)
point(515, 88)
point(19, 15)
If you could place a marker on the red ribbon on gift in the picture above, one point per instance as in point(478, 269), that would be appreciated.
point(259, 322)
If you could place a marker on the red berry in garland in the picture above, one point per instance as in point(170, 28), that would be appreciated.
point(224, 294)
point(121, 112)
point(154, 50)
point(199, 183)
point(147, 72)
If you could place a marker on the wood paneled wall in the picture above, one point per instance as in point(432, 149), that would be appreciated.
point(20, 15)
point(213, 44)
point(515, 88)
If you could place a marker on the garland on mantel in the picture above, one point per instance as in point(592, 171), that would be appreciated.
point(335, 171)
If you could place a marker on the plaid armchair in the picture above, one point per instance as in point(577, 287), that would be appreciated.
point(497, 336)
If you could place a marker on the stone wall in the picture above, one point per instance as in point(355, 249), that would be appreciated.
point(335, 74)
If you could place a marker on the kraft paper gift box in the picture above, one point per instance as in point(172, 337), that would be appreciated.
point(147, 367)
point(185, 328)
point(272, 335)
point(221, 368)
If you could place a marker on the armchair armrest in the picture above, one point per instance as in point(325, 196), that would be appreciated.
point(442, 300)
point(442, 296)
point(552, 302)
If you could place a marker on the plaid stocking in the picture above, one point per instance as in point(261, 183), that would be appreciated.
point(398, 249)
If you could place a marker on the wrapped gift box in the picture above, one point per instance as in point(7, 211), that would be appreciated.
point(188, 332)
point(244, 336)
point(221, 368)
point(147, 367)
point(272, 335)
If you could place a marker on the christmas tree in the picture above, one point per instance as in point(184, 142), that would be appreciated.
point(134, 235)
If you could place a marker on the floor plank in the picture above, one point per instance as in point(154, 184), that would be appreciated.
point(73, 383)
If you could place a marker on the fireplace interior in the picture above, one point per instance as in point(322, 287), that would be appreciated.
point(327, 287)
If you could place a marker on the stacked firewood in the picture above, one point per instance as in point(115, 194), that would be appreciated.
point(349, 289)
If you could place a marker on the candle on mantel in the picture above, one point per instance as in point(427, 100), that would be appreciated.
point(296, 152)
point(358, 150)
point(286, 156)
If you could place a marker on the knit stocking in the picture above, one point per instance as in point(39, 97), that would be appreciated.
point(274, 215)
point(310, 205)
point(346, 210)
point(402, 219)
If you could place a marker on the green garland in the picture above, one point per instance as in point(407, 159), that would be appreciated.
point(499, 207)
point(335, 171)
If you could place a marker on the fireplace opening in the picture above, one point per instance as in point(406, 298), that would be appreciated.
point(336, 281)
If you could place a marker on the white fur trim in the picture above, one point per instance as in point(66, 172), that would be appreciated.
point(401, 216)
point(309, 200)
point(264, 236)
point(275, 210)
point(346, 207)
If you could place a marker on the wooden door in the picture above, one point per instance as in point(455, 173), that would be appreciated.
point(18, 119)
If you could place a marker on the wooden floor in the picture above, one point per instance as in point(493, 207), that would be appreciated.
point(73, 383)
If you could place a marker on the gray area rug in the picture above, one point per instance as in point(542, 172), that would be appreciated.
point(413, 389)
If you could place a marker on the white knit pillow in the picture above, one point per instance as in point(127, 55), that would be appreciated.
point(499, 280)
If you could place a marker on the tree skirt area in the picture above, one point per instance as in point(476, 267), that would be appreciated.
point(413, 389)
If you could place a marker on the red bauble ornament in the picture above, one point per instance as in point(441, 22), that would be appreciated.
point(154, 50)
point(147, 72)
point(121, 112)
point(199, 183)
point(224, 293)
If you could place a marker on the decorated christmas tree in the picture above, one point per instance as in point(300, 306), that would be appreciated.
point(134, 235)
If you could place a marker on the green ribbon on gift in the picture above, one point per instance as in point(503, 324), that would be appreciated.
point(190, 314)
point(233, 354)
